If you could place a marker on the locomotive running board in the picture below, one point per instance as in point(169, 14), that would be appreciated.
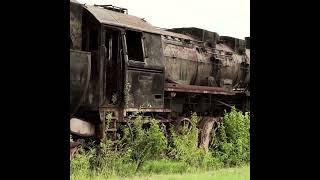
point(171, 87)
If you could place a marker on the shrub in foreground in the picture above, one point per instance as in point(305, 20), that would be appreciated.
point(147, 150)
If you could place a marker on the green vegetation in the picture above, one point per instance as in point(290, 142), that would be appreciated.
point(231, 142)
point(239, 173)
point(156, 151)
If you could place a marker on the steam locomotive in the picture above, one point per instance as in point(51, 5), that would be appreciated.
point(121, 64)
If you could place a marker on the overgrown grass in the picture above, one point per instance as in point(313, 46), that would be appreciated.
point(165, 167)
point(238, 173)
point(152, 150)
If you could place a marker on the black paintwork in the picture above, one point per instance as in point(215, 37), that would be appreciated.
point(80, 68)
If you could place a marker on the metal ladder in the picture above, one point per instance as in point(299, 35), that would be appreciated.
point(111, 125)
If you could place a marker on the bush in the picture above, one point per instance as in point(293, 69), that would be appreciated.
point(146, 150)
point(185, 148)
point(144, 144)
point(232, 140)
point(80, 164)
point(137, 146)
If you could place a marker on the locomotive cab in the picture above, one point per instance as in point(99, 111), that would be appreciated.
point(126, 67)
point(124, 73)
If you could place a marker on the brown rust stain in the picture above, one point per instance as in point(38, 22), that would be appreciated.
point(196, 89)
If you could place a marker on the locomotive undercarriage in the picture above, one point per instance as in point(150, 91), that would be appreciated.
point(177, 112)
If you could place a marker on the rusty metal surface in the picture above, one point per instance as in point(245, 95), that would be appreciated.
point(180, 63)
point(177, 35)
point(230, 64)
point(147, 110)
point(247, 39)
point(80, 69)
point(248, 55)
point(223, 103)
point(185, 62)
point(91, 34)
point(75, 26)
point(208, 63)
point(198, 61)
point(110, 17)
point(198, 34)
point(144, 88)
point(196, 89)
point(146, 120)
point(153, 50)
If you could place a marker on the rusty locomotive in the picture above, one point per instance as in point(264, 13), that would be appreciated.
point(121, 64)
